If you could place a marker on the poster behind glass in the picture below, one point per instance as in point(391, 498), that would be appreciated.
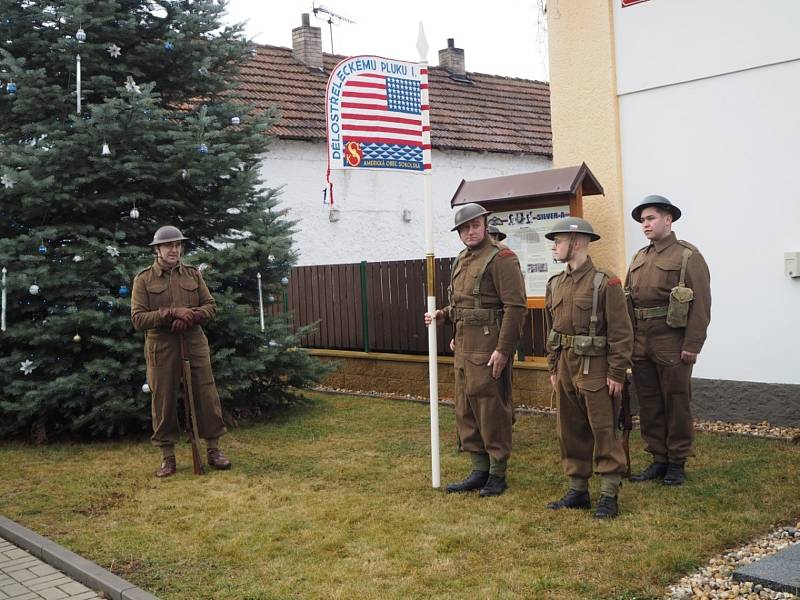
point(525, 230)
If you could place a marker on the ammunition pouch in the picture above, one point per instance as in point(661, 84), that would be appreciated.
point(655, 312)
point(589, 345)
point(582, 345)
point(680, 299)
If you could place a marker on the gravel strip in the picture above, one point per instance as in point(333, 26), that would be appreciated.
point(716, 580)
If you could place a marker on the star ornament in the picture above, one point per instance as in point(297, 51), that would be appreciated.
point(132, 86)
point(26, 366)
point(114, 51)
point(8, 182)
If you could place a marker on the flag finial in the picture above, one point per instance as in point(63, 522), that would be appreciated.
point(422, 44)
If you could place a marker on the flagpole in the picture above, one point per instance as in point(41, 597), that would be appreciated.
point(433, 364)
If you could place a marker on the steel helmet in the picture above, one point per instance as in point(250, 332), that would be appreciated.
point(467, 213)
point(659, 201)
point(496, 233)
point(573, 225)
point(166, 234)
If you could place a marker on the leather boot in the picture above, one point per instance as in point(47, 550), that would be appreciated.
point(655, 470)
point(676, 474)
point(474, 481)
point(572, 499)
point(217, 459)
point(607, 508)
point(168, 467)
point(494, 486)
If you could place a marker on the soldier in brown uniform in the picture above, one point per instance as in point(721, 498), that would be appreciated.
point(487, 305)
point(589, 351)
point(170, 300)
point(669, 288)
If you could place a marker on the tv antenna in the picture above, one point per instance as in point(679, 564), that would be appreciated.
point(332, 19)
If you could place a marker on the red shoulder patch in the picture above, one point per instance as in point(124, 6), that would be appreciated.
point(506, 252)
point(614, 281)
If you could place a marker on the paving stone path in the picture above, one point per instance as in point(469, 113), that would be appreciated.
point(25, 577)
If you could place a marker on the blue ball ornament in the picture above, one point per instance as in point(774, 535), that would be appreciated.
point(169, 46)
point(202, 149)
point(11, 88)
point(124, 291)
point(42, 249)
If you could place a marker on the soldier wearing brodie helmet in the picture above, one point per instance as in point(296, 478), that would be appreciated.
point(487, 305)
point(170, 300)
point(589, 351)
point(669, 291)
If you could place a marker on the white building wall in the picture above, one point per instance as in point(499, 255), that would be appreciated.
point(726, 149)
point(371, 203)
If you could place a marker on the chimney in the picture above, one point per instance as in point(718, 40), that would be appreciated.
point(452, 59)
point(307, 44)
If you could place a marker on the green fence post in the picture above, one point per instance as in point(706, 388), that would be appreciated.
point(286, 301)
point(364, 307)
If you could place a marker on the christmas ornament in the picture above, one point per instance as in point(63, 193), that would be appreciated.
point(34, 289)
point(271, 299)
point(235, 120)
point(26, 366)
point(80, 35)
point(8, 181)
point(284, 281)
point(185, 174)
point(202, 149)
point(146, 388)
point(42, 249)
point(203, 71)
point(76, 338)
point(273, 344)
point(11, 88)
point(124, 291)
point(114, 51)
point(131, 85)
point(112, 251)
point(271, 258)
point(134, 213)
point(106, 151)
point(77, 258)
point(168, 46)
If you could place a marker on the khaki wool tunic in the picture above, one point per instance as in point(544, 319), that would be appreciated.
point(587, 413)
point(483, 405)
point(182, 286)
point(662, 380)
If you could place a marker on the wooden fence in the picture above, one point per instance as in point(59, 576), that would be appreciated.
point(378, 307)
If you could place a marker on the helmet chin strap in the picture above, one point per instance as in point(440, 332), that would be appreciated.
point(570, 248)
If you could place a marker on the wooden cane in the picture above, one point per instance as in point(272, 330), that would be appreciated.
point(189, 407)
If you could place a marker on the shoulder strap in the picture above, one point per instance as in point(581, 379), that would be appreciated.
point(476, 288)
point(686, 254)
point(598, 279)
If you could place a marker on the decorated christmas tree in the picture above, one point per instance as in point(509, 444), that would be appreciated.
point(117, 117)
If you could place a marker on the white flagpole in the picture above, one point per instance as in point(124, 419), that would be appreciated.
point(260, 301)
point(433, 365)
point(78, 82)
point(3, 293)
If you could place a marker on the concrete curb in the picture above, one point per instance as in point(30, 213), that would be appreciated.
point(81, 570)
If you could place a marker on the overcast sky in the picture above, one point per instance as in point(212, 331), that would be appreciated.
point(502, 37)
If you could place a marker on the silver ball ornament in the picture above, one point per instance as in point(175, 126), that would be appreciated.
point(134, 213)
point(76, 338)
point(146, 388)
point(235, 120)
point(80, 35)
point(284, 281)
point(34, 289)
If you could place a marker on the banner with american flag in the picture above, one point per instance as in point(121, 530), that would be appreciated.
point(377, 115)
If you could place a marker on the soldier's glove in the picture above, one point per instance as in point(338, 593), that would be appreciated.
point(179, 326)
point(166, 314)
point(184, 314)
point(198, 316)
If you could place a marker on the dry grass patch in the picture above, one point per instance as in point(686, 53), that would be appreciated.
point(333, 500)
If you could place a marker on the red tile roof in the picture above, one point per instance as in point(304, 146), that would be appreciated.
point(492, 113)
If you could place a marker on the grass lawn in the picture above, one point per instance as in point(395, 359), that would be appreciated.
point(333, 500)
